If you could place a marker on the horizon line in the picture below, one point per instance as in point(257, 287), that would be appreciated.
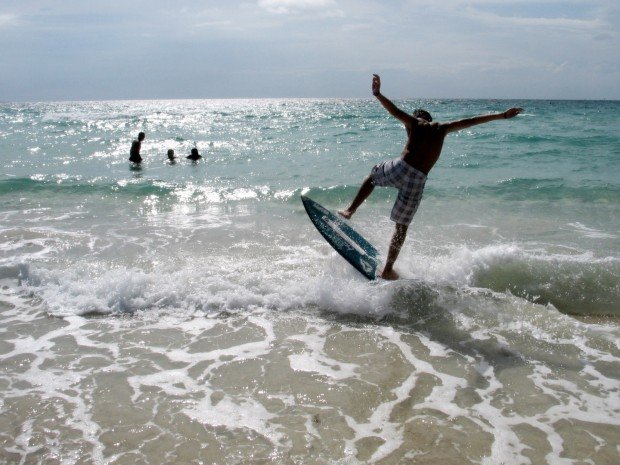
point(172, 99)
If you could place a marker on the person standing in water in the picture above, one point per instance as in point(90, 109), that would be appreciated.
point(408, 172)
point(134, 153)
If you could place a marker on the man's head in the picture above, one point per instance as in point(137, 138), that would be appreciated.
point(141, 136)
point(423, 114)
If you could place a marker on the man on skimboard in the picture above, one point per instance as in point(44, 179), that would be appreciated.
point(408, 172)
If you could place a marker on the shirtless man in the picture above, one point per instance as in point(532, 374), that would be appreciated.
point(408, 173)
point(134, 153)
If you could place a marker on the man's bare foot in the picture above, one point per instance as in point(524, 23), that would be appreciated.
point(347, 214)
point(390, 275)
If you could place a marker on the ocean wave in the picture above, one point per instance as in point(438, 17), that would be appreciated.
point(515, 189)
point(512, 189)
point(532, 189)
point(574, 284)
point(60, 185)
point(214, 193)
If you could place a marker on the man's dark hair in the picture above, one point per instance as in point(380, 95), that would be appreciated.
point(425, 115)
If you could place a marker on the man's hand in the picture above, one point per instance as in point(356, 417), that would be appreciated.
point(376, 85)
point(512, 112)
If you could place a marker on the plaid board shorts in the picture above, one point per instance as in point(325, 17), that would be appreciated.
point(410, 184)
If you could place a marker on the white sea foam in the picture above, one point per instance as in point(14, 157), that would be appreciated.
point(316, 361)
point(591, 232)
point(207, 401)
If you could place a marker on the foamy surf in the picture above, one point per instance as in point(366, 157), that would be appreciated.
point(287, 383)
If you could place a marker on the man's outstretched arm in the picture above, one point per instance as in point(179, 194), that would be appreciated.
point(387, 103)
point(481, 119)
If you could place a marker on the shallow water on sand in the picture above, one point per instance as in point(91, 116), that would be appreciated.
point(312, 386)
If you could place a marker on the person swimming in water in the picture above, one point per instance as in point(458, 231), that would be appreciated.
point(194, 155)
point(408, 173)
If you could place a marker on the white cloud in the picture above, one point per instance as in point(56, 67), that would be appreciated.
point(299, 6)
point(550, 14)
point(559, 23)
point(8, 20)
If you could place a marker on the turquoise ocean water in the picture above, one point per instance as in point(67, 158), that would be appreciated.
point(190, 312)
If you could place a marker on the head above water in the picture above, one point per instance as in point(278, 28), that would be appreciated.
point(170, 154)
point(423, 114)
point(141, 136)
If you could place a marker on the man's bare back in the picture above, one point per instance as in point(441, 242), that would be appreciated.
point(424, 144)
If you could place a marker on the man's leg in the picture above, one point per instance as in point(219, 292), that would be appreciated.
point(365, 190)
point(400, 233)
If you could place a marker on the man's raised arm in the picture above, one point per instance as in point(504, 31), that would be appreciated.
point(387, 103)
point(481, 119)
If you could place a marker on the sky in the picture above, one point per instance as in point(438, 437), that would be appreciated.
point(134, 49)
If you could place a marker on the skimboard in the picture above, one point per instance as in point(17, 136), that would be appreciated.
point(343, 238)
